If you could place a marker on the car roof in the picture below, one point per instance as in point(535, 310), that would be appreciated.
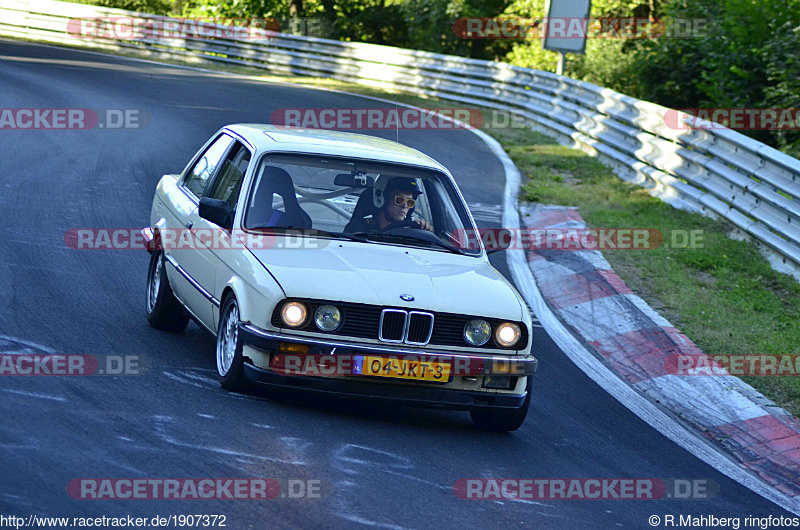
point(266, 137)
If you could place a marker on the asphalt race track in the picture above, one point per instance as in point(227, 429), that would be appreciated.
point(389, 468)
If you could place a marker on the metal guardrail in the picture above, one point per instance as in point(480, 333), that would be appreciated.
point(715, 171)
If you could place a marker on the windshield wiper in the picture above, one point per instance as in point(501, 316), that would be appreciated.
point(340, 235)
point(315, 232)
point(404, 237)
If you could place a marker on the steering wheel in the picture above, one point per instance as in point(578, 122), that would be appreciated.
point(406, 223)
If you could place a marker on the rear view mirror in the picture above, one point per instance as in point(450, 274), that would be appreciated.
point(217, 211)
point(354, 180)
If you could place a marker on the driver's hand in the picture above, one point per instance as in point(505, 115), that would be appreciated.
point(424, 225)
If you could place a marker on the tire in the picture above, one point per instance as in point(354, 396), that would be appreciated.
point(230, 362)
point(502, 420)
point(163, 309)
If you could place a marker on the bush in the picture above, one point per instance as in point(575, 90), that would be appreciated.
point(749, 58)
point(783, 76)
point(156, 7)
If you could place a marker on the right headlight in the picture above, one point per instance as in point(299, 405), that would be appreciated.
point(327, 317)
point(477, 332)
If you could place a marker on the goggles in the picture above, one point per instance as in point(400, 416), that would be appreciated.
point(399, 200)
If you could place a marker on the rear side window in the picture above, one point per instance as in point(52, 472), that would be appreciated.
point(200, 175)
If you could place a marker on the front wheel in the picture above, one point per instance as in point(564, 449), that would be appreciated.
point(230, 362)
point(163, 309)
point(502, 420)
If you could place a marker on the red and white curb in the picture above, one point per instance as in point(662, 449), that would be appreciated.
point(616, 325)
point(634, 400)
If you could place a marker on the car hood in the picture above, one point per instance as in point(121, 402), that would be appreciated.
point(378, 274)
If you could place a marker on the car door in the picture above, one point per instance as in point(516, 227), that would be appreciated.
point(212, 241)
point(183, 253)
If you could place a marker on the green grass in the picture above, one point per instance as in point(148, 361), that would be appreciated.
point(724, 295)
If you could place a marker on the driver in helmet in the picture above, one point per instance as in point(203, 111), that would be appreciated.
point(400, 197)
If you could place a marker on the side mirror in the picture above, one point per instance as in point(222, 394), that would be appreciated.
point(216, 211)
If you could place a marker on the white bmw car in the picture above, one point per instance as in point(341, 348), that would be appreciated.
point(342, 264)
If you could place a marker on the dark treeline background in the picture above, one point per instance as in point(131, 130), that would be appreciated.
point(748, 56)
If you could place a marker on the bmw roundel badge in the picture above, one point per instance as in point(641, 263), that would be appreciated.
point(407, 297)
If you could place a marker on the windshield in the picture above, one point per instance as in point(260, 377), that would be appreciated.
point(358, 199)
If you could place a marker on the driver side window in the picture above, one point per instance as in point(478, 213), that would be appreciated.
point(200, 175)
point(228, 183)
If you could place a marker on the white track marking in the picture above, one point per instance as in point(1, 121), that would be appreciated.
point(35, 395)
point(162, 434)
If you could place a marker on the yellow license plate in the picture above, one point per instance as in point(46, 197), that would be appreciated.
point(416, 369)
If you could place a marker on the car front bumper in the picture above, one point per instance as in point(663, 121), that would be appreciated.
point(419, 395)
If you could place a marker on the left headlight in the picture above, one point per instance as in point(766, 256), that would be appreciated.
point(327, 317)
point(477, 332)
point(507, 334)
